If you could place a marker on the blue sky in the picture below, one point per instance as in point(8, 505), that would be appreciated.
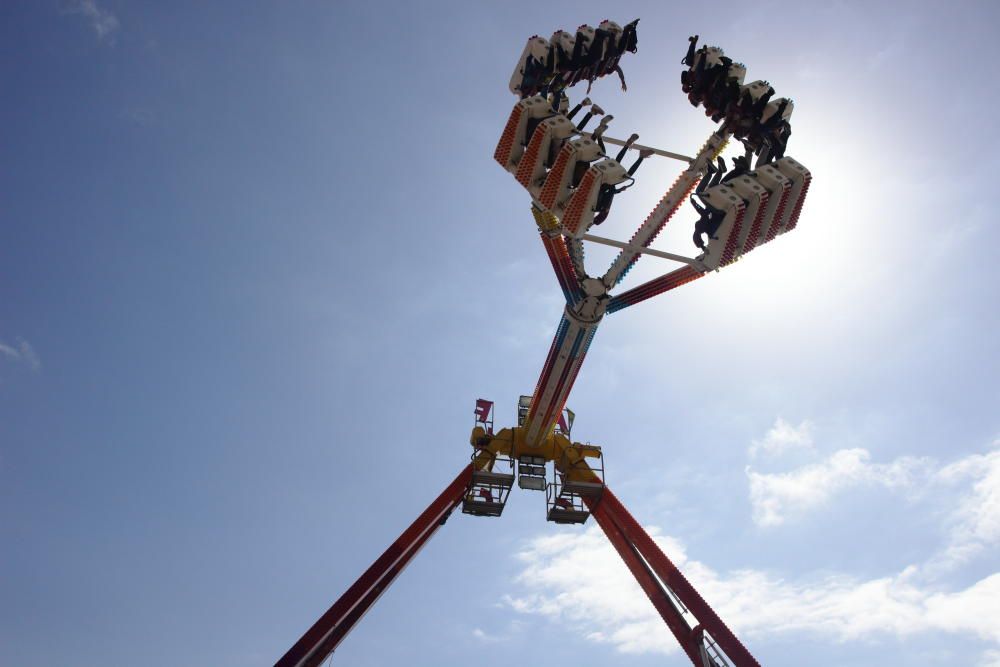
point(258, 263)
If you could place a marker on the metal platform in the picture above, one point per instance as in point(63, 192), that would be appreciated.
point(487, 493)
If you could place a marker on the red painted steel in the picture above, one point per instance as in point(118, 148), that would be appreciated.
point(794, 220)
point(758, 222)
point(648, 290)
point(323, 637)
point(707, 618)
point(648, 581)
point(349, 621)
point(550, 361)
point(729, 253)
point(555, 247)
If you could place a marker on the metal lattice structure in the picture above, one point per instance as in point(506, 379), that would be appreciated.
point(572, 182)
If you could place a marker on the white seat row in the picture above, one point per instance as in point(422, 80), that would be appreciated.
point(758, 206)
point(564, 176)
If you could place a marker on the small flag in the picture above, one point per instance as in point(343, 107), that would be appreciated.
point(483, 409)
point(566, 420)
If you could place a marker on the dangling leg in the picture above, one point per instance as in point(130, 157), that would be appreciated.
point(604, 199)
point(576, 109)
point(621, 154)
point(703, 184)
point(689, 58)
point(594, 110)
point(598, 133)
point(558, 99)
point(621, 77)
point(643, 154)
point(717, 177)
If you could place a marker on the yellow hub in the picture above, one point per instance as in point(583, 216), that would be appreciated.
point(570, 458)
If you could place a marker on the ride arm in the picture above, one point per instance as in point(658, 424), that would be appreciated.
point(322, 638)
point(566, 355)
point(648, 290)
point(671, 201)
point(559, 255)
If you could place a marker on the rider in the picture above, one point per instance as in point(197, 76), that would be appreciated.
point(608, 191)
point(741, 166)
point(709, 217)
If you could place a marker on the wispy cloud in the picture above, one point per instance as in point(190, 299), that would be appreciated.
point(21, 352)
point(104, 23)
point(774, 497)
point(607, 606)
point(484, 636)
point(783, 438)
point(967, 491)
point(975, 522)
point(990, 658)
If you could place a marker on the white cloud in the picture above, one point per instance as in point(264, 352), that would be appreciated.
point(22, 352)
point(577, 579)
point(104, 23)
point(783, 438)
point(990, 658)
point(967, 491)
point(774, 497)
point(975, 522)
point(484, 636)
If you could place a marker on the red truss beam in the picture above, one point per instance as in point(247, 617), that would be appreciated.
point(615, 519)
point(323, 637)
point(648, 564)
point(555, 247)
point(651, 586)
point(648, 290)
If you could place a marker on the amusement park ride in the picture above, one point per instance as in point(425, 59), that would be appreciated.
point(572, 182)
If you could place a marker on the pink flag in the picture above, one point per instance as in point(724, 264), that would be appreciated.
point(483, 409)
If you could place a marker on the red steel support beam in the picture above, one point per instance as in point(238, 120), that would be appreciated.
point(323, 637)
point(610, 508)
point(555, 247)
point(369, 600)
point(648, 290)
point(649, 583)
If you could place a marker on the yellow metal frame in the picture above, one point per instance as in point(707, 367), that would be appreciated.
point(570, 458)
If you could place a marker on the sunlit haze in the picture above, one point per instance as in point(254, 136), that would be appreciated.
point(257, 263)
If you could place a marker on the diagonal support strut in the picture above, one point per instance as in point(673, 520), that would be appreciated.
point(620, 526)
point(322, 638)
